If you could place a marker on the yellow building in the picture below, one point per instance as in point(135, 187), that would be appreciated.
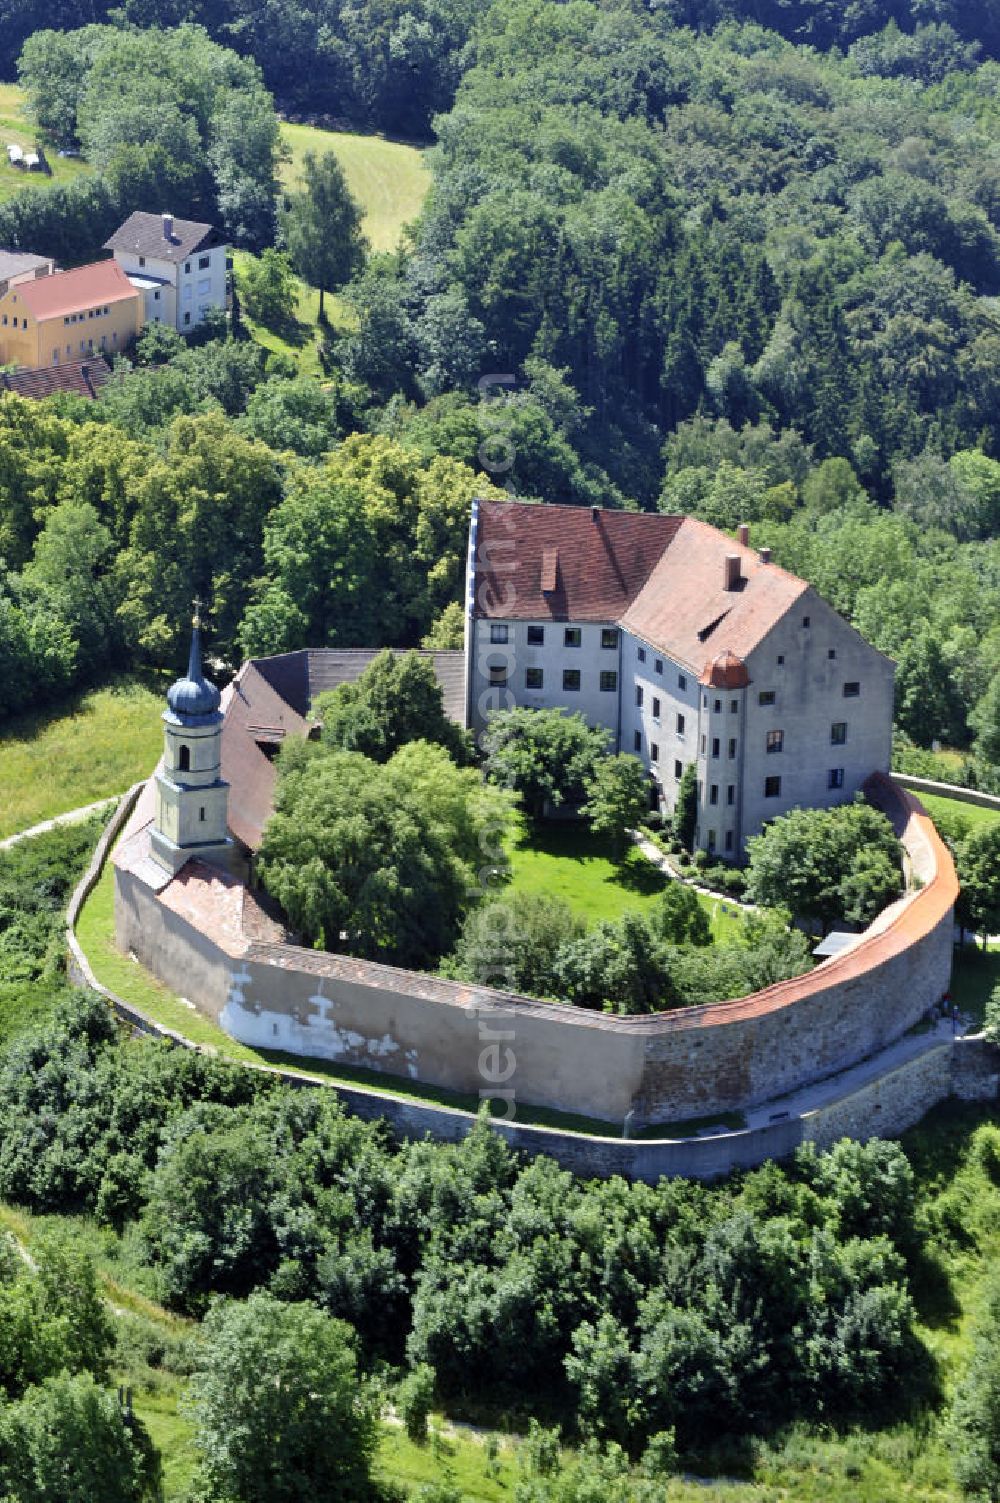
point(69, 315)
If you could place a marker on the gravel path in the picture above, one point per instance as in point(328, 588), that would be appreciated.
point(71, 817)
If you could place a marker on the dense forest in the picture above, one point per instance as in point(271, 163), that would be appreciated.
point(743, 263)
point(619, 1311)
point(394, 64)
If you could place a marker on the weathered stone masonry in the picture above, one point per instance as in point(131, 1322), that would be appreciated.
point(202, 934)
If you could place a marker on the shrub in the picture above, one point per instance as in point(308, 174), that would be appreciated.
point(415, 1398)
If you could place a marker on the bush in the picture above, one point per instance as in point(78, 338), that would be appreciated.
point(415, 1397)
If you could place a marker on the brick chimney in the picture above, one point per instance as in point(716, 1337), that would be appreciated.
point(765, 555)
point(732, 572)
point(168, 226)
point(743, 535)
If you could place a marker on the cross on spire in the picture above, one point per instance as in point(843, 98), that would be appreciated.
point(197, 603)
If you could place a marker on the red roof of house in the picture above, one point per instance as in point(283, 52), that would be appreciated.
point(666, 579)
point(685, 608)
point(82, 377)
point(727, 671)
point(564, 563)
point(74, 291)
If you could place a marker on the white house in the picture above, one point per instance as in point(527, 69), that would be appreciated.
point(179, 265)
point(689, 646)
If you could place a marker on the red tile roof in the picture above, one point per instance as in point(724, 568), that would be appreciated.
point(663, 578)
point(685, 609)
point(74, 291)
point(82, 377)
point(564, 562)
point(726, 671)
point(269, 699)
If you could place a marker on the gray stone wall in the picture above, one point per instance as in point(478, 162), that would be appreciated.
point(968, 1068)
point(809, 699)
point(666, 1067)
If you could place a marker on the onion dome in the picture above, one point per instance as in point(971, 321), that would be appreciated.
point(726, 671)
point(192, 699)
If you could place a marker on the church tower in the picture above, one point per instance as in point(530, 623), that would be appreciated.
point(191, 796)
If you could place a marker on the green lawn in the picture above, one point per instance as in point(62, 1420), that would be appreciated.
point(937, 805)
point(389, 180)
point(93, 747)
point(564, 860)
point(300, 342)
point(16, 128)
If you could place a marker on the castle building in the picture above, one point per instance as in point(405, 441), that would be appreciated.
point(688, 646)
point(191, 795)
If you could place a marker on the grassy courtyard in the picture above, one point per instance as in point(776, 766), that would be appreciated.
point(92, 747)
point(565, 860)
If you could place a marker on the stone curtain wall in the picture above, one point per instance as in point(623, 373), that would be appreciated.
point(669, 1067)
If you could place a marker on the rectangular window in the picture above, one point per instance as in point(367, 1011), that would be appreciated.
point(609, 637)
point(713, 794)
point(572, 636)
point(806, 622)
point(609, 682)
point(715, 746)
point(831, 653)
point(765, 697)
point(201, 815)
point(656, 709)
point(852, 690)
point(642, 654)
point(678, 770)
point(680, 725)
point(772, 787)
point(187, 318)
point(532, 678)
point(734, 707)
point(637, 741)
point(781, 660)
point(498, 676)
point(729, 840)
point(498, 634)
point(142, 260)
point(731, 795)
point(638, 695)
point(732, 746)
point(717, 706)
point(654, 752)
point(571, 680)
point(838, 733)
point(775, 741)
point(536, 636)
point(203, 262)
point(187, 266)
point(682, 682)
point(156, 295)
point(835, 777)
point(658, 665)
point(711, 840)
